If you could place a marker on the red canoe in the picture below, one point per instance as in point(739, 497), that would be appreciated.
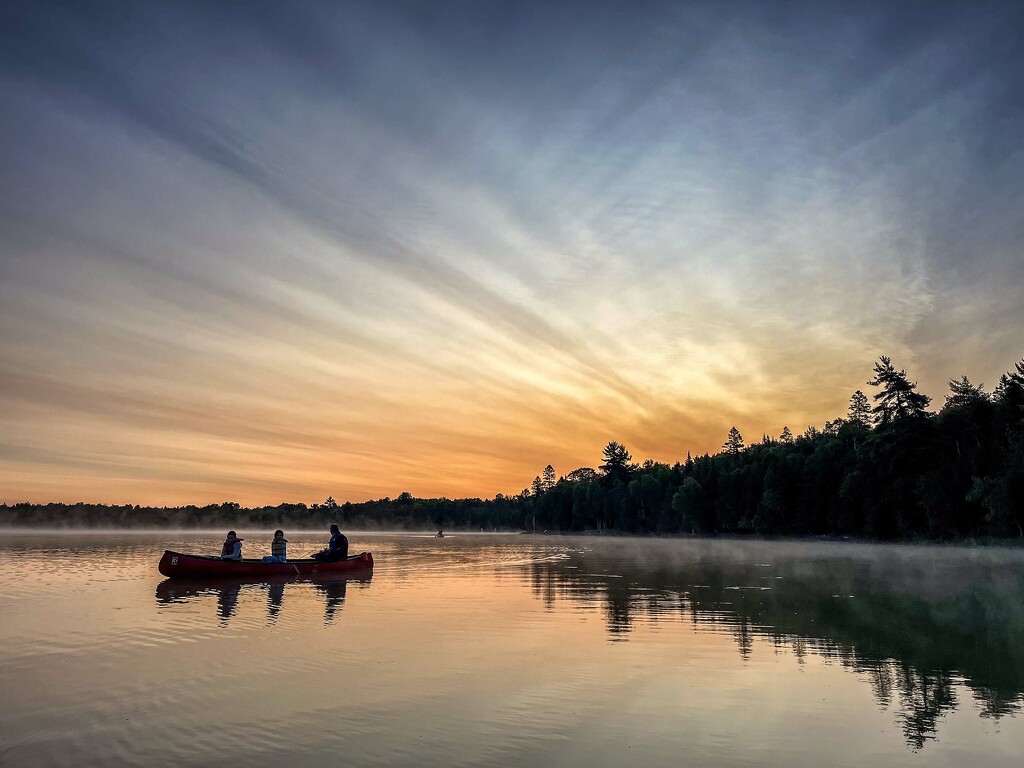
point(176, 564)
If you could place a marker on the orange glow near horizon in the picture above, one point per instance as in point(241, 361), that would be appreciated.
point(284, 269)
point(288, 438)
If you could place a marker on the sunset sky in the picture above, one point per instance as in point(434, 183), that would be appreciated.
point(269, 252)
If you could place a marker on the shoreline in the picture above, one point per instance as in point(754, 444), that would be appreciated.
point(966, 543)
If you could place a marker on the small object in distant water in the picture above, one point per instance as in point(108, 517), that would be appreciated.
point(232, 548)
point(440, 535)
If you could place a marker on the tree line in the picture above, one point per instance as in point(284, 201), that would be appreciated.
point(890, 468)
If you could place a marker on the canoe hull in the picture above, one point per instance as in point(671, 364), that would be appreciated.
point(180, 565)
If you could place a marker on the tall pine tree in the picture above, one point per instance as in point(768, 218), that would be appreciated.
point(963, 393)
point(616, 462)
point(733, 443)
point(860, 410)
point(897, 397)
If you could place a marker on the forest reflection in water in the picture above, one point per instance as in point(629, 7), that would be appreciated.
point(500, 649)
point(918, 623)
point(333, 589)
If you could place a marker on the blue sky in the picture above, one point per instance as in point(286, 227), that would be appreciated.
point(270, 252)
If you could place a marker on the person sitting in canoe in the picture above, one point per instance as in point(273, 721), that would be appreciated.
point(278, 549)
point(337, 549)
point(232, 549)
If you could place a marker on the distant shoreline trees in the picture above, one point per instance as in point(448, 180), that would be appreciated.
point(893, 470)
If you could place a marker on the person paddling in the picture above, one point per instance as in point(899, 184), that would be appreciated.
point(232, 549)
point(338, 547)
point(278, 549)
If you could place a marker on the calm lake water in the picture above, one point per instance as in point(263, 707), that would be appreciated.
point(499, 650)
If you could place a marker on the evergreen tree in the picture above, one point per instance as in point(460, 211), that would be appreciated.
point(786, 438)
point(1010, 389)
point(733, 443)
point(616, 462)
point(548, 478)
point(860, 410)
point(963, 393)
point(897, 397)
point(537, 486)
point(833, 427)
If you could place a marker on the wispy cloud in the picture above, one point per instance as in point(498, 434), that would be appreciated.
point(355, 251)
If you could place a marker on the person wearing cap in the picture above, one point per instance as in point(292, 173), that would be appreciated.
point(278, 549)
point(338, 547)
point(232, 549)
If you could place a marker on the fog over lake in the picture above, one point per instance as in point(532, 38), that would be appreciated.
point(513, 649)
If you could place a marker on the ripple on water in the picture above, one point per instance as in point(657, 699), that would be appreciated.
point(488, 652)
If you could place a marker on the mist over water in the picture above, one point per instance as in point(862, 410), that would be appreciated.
point(497, 649)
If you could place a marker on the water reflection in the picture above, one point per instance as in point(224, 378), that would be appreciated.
point(914, 626)
point(334, 597)
point(275, 596)
point(227, 601)
point(533, 650)
point(333, 589)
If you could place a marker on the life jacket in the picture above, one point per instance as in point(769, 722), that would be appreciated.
point(277, 547)
point(228, 550)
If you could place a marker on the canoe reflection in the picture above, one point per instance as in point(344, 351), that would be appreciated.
point(332, 587)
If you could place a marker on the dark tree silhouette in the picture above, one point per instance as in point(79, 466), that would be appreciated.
point(537, 486)
point(581, 474)
point(616, 462)
point(1010, 389)
point(897, 397)
point(733, 443)
point(859, 413)
point(962, 393)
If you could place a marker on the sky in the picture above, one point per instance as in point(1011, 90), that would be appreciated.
point(271, 252)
